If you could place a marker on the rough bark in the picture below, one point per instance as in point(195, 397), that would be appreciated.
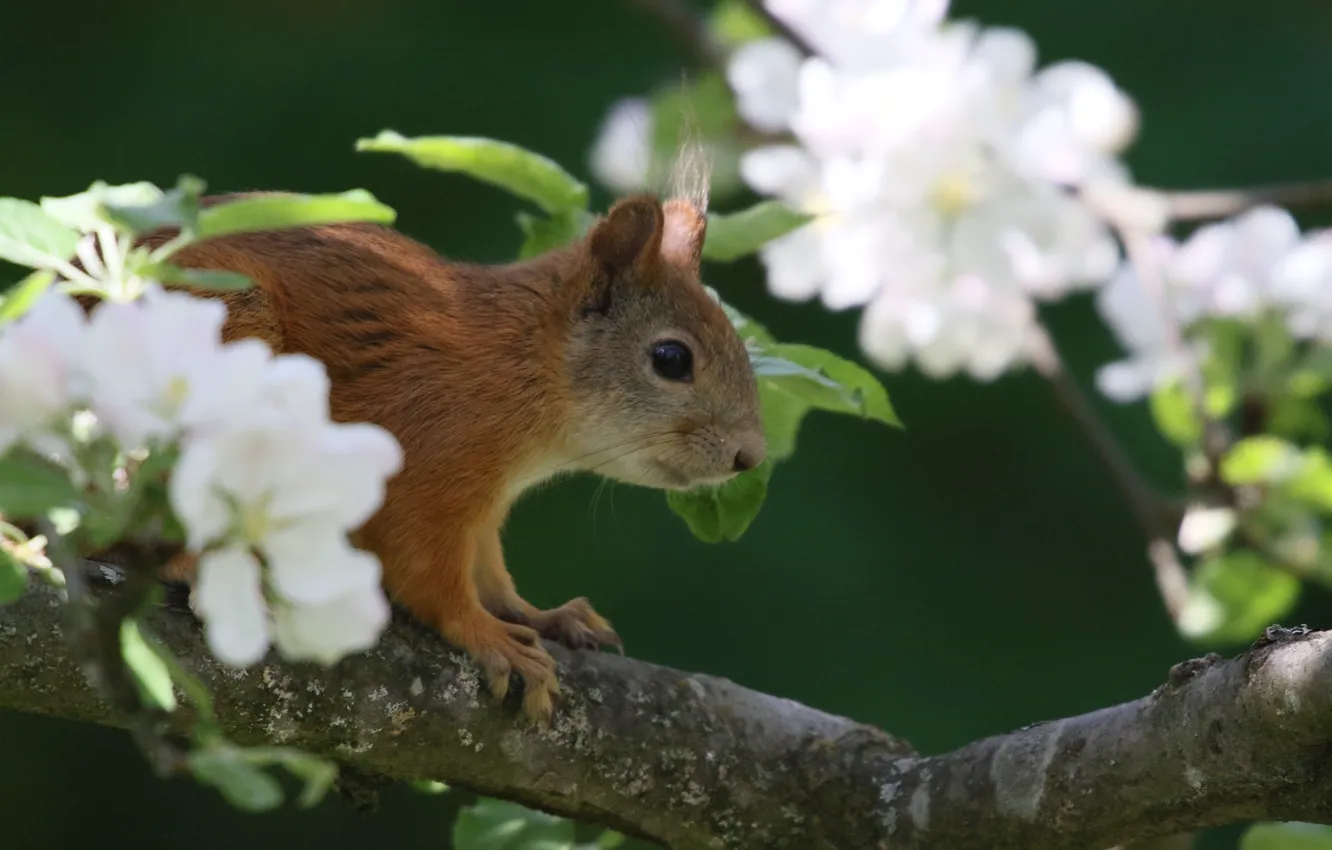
point(693, 761)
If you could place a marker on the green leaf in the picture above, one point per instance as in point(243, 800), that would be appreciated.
point(214, 280)
point(30, 485)
point(794, 379)
point(194, 689)
point(13, 576)
point(610, 839)
point(273, 210)
point(522, 172)
point(19, 298)
point(1312, 484)
point(1260, 459)
point(31, 237)
point(1286, 836)
point(178, 207)
point(492, 824)
point(725, 512)
point(151, 675)
point(749, 330)
point(1295, 417)
point(428, 786)
point(242, 784)
point(542, 234)
point(734, 22)
point(87, 210)
point(317, 774)
point(1313, 374)
point(731, 237)
point(1172, 408)
point(1234, 596)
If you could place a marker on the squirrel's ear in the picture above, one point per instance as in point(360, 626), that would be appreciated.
point(685, 229)
point(628, 238)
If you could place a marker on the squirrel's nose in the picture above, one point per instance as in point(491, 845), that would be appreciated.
point(747, 458)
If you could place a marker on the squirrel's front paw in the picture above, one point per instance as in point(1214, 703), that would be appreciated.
point(502, 648)
point(576, 625)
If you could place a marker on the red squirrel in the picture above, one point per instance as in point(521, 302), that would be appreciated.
point(606, 355)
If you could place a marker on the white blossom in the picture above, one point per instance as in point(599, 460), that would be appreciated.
point(1238, 268)
point(621, 156)
point(267, 487)
point(326, 632)
point(764, 74)
point(228, 597)
point(1205, 527)
point(40, 355)
point(935, 159)
point(149, 358)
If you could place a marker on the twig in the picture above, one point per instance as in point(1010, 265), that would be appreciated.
point(693, 761)
point(95, 624)
point(797, 40)
point(1221, 203)
point(1157, 515)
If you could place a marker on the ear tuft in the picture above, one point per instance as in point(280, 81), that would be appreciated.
point(629, 237)
point(686, 227)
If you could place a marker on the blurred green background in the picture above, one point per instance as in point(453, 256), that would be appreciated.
point(972, 574)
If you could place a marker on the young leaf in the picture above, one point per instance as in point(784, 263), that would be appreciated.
point(13, 576)
point(275, 210)
point(1260, 459)
point(317, 774)
point(491, 824)
point(1313, 483)
point(731, 237)
point(1286, 836)
point(242, 784)
point(31, 237)
point(715, 514)
point(21, 295)
point(734, 22)
point(542, 234)
point(214, 280)
point(30, 485)
point(86, 210)
point(522, 172)
point(178, 207)
point(1233, 597)
point(151, 675)
point(195, 690)
point(749, 330)
point(1172, 408)
point(795, 379)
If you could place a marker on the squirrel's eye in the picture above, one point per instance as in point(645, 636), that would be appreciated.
point(673, 361)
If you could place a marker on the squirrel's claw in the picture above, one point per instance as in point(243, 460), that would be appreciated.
point(578, 626)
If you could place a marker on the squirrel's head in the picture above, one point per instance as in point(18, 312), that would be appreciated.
point(663, 392)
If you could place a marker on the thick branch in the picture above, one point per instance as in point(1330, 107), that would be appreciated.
point(698, 762)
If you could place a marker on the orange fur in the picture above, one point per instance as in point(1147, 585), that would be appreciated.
point(488, 377)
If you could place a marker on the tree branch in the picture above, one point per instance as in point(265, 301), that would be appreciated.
point(697, 762)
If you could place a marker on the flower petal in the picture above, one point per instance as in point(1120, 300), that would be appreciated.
point(229, 597)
